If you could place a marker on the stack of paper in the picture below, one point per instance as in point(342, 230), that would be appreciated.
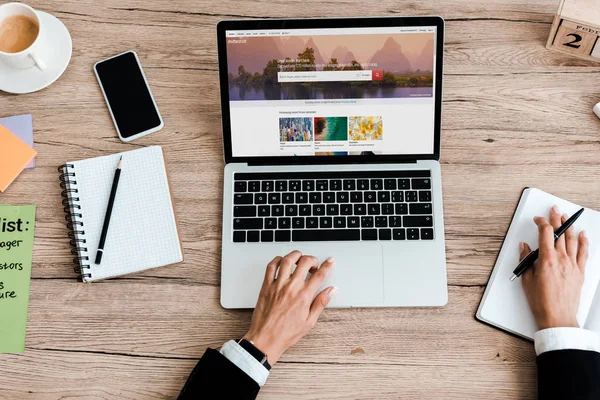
point(15, 155)
point(22, 127)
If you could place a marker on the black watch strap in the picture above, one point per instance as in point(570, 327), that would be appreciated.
point(254, 352)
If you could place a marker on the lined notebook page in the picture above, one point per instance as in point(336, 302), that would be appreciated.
point(504, 303)
point(143, 230)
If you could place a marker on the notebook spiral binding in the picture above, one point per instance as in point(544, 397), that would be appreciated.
point(74, 220)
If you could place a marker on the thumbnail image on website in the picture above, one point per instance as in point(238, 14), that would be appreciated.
point(311, 92)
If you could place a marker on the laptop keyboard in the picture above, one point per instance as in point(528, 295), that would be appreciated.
point(332, 206)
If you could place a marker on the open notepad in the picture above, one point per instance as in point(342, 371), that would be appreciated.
point(143, 230)
point(504, 304)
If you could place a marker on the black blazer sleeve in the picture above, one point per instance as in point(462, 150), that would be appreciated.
point(216, 377)
point(569, 374)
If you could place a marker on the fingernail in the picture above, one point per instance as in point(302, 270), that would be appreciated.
point(565, 216)
point(584, 234)
point(555, 209)
point(330, 260)
point(333, 291)
point(521, 246)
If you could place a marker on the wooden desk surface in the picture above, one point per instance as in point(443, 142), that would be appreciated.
point(514, 115)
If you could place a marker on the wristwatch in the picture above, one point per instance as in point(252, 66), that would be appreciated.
point(254, 352)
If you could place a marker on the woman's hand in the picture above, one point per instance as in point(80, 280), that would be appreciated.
point(553, 285)
point(287, 307)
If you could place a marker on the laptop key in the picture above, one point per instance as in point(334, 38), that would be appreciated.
point(325, 222)
point(425, 195)
point(353, 222)
point(242, 199)
point(298, 223)
point(281, 186)
point(268, 186)
point(247, 223)
point(369, 234)
point(374, 209)
point(239, 236)
point(314, 197)
point(385, 234)
point(397, 197)
point(420, 208)
point(335, 184)
point(284, 223)
point(253, 236)
point(244, 211)
point(418, 221)
point(399, 234)
point(312, 222)
point(381, 222)
point(376, 184)
point(287, 198)
point(421, 183)
point(270, 223)
point(308, 186)
point(254, 186)
point(328, 197)
point(387, 209)
point(295, 186)
point(403, 183)
point(427, 234)
point(360, 209)
point(346, 209)
point(291, 210)
point(410, 195)
point(319, 209)
point(333, 209)
point(301, 197)
point(304, 210)
point(366, 222)
point(263, 211)
point(343, 197)
point(389, 184)
point(283, 236)
point(266, 236)
point(339, 222)
point(322, 185)
point(383, 197)
point(349, 184)
point(356, 197)
point(274, 198)
point(370, 197)
point(412, 234)
point(395, 222)
point(277, 211)
point(401, 208)
point(362, 184)
point(317, 235)
point(260, 198)
point(240, 186)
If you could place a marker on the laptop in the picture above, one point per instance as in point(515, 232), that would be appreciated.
point(331, 131)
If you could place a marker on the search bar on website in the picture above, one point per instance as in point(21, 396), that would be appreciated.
point(329, 76)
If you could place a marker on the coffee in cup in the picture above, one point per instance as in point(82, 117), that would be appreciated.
point(17, 33)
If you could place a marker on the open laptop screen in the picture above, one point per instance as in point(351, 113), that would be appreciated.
point(332, 91)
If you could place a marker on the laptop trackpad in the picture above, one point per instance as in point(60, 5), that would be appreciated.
point(358, 271)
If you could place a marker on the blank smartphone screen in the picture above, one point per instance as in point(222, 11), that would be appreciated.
point(128, 95)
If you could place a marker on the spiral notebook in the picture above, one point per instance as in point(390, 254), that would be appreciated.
point(143, 231)
point(504, 304)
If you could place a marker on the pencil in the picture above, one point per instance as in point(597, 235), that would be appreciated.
point(111, 202)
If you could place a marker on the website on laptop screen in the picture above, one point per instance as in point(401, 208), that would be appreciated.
point(338, 91)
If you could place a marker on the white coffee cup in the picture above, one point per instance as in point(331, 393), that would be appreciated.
point(30, 56)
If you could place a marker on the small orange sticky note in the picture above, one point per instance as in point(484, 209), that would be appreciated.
point(15, 154)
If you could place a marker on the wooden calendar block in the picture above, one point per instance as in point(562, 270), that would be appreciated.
point(576, 29)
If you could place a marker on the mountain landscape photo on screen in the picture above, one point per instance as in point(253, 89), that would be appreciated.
point(405, 61)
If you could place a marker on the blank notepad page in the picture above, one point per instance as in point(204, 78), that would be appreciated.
point(143, 230)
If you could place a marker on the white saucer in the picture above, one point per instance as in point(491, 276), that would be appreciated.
point(58, 45)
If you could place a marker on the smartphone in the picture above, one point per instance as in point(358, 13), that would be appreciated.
point(128, 96)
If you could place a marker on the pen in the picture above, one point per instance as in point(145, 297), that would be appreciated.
point(111, 202)
point(531, 257)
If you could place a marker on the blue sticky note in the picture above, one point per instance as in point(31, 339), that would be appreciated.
point(22, 127)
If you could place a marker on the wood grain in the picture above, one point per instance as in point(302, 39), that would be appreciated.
point(514, 115)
